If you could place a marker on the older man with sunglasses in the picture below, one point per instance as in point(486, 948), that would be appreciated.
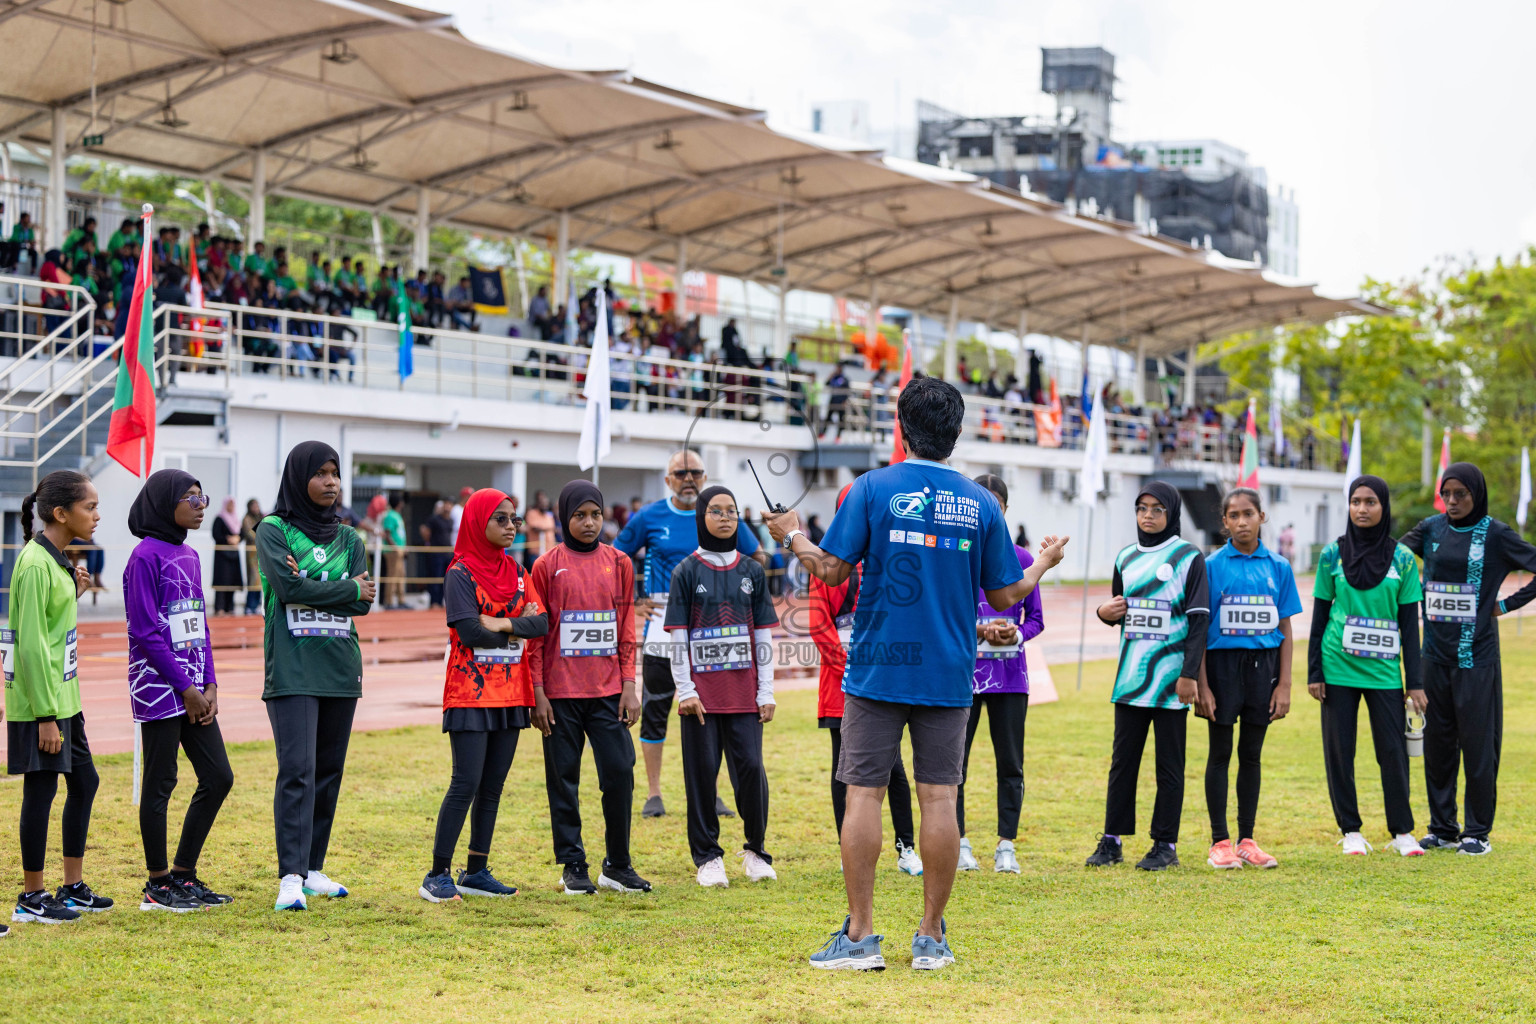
point(666, 530)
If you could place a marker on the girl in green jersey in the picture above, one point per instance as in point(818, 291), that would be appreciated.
point(1364, 640)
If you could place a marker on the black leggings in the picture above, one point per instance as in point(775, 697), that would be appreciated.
point(1250, 746)
point(204, 745)
point(37, 792)
point(481, 761)
point(898, 795)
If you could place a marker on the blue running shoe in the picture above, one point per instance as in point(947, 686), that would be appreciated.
point(483, 883)
point(844, 954)
point(80, 897)
point(929, 954)
point(438, 888)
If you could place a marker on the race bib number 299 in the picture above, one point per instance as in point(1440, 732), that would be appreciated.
point(1371, 638)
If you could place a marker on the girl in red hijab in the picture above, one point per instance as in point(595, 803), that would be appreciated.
point(493, 611)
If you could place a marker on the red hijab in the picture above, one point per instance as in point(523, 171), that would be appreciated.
point(493, 569)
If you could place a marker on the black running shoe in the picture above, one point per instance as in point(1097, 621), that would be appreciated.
point(5, 930)
point(722, 811)
point(1158, 858)
point(576, 882)
point(80, 897)
point(169, 896)
point(40, 906)
point(193, 887)
point(1437, 842)
point(1105, 854)
point(653, 808)
point(622, 879)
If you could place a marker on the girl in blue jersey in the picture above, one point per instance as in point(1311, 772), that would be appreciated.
point(1246, 675)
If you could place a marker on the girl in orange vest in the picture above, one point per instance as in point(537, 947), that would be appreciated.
point(493, 611)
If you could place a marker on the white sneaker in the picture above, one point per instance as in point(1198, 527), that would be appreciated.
point(758, 870)
point(967, 858)
point(290, 894)
point(316, 884)
point(712, 873)
point(908, 861)
point(1406, 845)
point(1003, 861)
point(1354, 843)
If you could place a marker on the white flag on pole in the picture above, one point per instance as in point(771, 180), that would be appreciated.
point(1095, 454)
point(1352, 470)
point(596, 426)
point(1525, 487)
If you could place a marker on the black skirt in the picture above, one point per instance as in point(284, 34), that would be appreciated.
point(22, 755)
point(485, 719)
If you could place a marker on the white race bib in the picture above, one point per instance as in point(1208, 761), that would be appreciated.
point(720, 648)
point(1450, 602)
point(189, 626)
point(71, 655)
point(844, 625)
point(306, 621)
point(8, 653)
point(589, 634)
point(1148, 619)
point(512, 654)
point(1371, 638)
point(993, 652)
point(1248, 615)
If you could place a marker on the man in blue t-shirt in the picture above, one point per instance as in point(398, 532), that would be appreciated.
point(928, 539)
point(666, 530)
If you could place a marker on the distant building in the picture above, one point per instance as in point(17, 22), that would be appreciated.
point(1199, 191)
point(843, 119)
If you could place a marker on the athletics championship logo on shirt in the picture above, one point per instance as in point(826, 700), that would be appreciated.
point(911, 505)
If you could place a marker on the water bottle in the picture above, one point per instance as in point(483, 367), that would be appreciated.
point(1414, 731)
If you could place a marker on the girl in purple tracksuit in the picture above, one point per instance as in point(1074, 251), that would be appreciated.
point(171, 685)
point(1001, 686)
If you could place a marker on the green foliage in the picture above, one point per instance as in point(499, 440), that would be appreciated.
point(1463, 348)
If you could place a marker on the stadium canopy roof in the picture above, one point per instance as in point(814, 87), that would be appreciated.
point(373, 104)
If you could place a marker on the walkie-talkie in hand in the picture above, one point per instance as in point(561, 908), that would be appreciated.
point(774, 507)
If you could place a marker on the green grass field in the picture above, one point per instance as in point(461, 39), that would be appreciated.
point(1323, 938)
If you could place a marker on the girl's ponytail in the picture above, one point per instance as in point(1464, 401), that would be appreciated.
point(28, 505)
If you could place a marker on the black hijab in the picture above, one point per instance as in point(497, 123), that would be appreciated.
point(317, 523)
point(1472, 478)
point(707, 540)
point(572, 496)
point(153, 513)
point(1367, 553)
point(1169, 496)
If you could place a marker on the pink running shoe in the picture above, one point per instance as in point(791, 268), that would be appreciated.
point(1249, 853)
point(1222, 857)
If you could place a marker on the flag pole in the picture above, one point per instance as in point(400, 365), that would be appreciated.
point(1082, 635)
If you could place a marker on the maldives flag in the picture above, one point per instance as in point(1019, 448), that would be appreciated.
point(1445, 464)
point(1248, 467)
point(898, 453)
point(131, 436)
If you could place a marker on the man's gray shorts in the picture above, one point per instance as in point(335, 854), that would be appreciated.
point(871, 741)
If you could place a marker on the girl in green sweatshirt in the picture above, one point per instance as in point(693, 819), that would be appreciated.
point(46, 730)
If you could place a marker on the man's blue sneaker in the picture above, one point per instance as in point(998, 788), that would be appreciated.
point(438, 888)
point(844, 954)
point(483, 883)
point(930, 954)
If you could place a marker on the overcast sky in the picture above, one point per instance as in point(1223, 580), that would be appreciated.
point(1405, 128)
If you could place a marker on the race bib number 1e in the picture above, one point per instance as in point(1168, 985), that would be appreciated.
point(1148, 619)
point(8, 653)
point(1371, 638)
point(1450, 602)
point(189, 626)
